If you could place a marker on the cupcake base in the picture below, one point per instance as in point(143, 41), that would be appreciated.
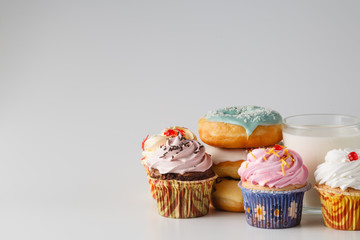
point(183, 199)
point(273, 209)
point(340, 209)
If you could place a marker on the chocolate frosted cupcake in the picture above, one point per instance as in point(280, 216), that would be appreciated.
point(181, 173)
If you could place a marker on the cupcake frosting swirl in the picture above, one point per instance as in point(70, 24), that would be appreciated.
point(338, 170)
point(276, 167)
point(180, 155)
point(155, 141)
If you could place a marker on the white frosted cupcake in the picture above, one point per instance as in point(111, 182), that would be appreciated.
point(338, 184)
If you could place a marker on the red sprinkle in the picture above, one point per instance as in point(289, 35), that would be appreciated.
point(353, 156)
point(182, 132)
point(171, 133)
point(277, 147)
point(174, 133)
point(143, 142)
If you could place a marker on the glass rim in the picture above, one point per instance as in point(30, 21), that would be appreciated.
point(299, 126)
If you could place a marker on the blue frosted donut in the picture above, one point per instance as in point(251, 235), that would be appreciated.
point(242, 126)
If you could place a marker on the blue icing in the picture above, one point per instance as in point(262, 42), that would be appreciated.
point(249, 117)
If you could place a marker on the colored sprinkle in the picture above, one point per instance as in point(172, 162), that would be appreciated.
point(277, 147)
point(143, 143)
point(284, 162)
point(272, 151)
point(264, 158)
point(181, 131)
point(246, 165)
point(283, 170)
point(253, 155)
point(171, 132)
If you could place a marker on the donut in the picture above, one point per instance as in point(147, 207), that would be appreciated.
point(227, 196)
point(226, 162)
point(241, 127)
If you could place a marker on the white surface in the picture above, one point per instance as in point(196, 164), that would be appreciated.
point(83, 82)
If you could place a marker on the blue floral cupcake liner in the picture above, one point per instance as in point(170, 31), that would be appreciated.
point(273, 209)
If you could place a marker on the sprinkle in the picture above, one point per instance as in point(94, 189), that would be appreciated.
point(264, 158)
point(266, 181)
point(283, 170)
point(285, 163)
point(246, 165)
point(143, 143)
point(181, 131)
point(286, 151)
point(278, 147)
point(253, 155)
point(272, 151)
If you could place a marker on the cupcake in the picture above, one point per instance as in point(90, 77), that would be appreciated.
point(150, 145)
point(338, 184)
point(181, 174)
point(273, 182)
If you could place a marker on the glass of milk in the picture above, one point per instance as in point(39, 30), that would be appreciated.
point(313, 135)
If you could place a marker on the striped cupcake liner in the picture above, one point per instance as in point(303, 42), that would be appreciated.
point(183, 199)
point(340, 211)
point(273, 209)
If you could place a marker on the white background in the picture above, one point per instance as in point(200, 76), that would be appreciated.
point(83, 82)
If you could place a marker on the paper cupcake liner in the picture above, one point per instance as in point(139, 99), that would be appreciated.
point(273, 209)
point(152, 188)
point(340, 210)
point(183, 199)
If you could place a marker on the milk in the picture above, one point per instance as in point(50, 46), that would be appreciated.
point(312, 145)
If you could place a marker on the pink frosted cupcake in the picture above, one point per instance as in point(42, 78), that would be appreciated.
point(273, 182)
point(151, 144)
point(181, 174)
